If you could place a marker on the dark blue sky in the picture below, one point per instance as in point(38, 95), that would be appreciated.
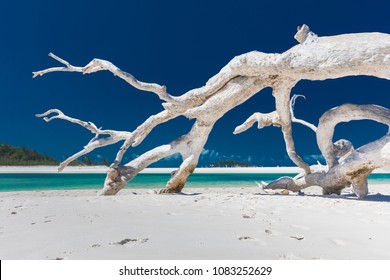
point(180, 44)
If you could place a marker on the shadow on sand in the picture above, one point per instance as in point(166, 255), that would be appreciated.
point(378, 197)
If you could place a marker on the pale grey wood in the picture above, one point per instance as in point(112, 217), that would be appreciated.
point(314, 58)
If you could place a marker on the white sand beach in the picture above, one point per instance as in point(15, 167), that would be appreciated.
point(207, 223)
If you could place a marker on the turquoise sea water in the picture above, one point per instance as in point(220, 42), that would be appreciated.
point(33, 182)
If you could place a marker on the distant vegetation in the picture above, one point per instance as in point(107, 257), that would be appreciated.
point(10, 155)
point(231, 163)
point(17, 156)
point(86, 160)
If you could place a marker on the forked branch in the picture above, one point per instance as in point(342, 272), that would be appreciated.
point(94, 143)
point(264, 120)
point(99, 65)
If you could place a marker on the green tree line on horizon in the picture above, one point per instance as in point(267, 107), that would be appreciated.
point(21, 156)
point(231, 163)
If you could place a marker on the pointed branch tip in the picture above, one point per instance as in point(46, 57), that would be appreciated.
point(59, 59)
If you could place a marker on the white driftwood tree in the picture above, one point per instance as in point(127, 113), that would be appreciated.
point(314, 58)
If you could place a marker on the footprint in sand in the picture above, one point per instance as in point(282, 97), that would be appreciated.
point(130, 240)
point(297, 237)
point(248, 216)
point(246, 238)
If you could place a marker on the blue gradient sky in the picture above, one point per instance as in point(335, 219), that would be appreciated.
point(180, 44)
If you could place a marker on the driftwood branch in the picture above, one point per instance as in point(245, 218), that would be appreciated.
point(96, 142)
point(189, 146)
point(356, 166)
point(300, 121)
point(345, 113)
point(314, 58)
point(264, 120)
point(99, 65)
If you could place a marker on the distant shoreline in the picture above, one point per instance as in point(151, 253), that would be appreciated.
point(103, 169)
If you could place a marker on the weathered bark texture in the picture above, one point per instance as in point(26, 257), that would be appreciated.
point(315, 58)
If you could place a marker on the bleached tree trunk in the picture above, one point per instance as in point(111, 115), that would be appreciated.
point(315, 58)
point(189, 146)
